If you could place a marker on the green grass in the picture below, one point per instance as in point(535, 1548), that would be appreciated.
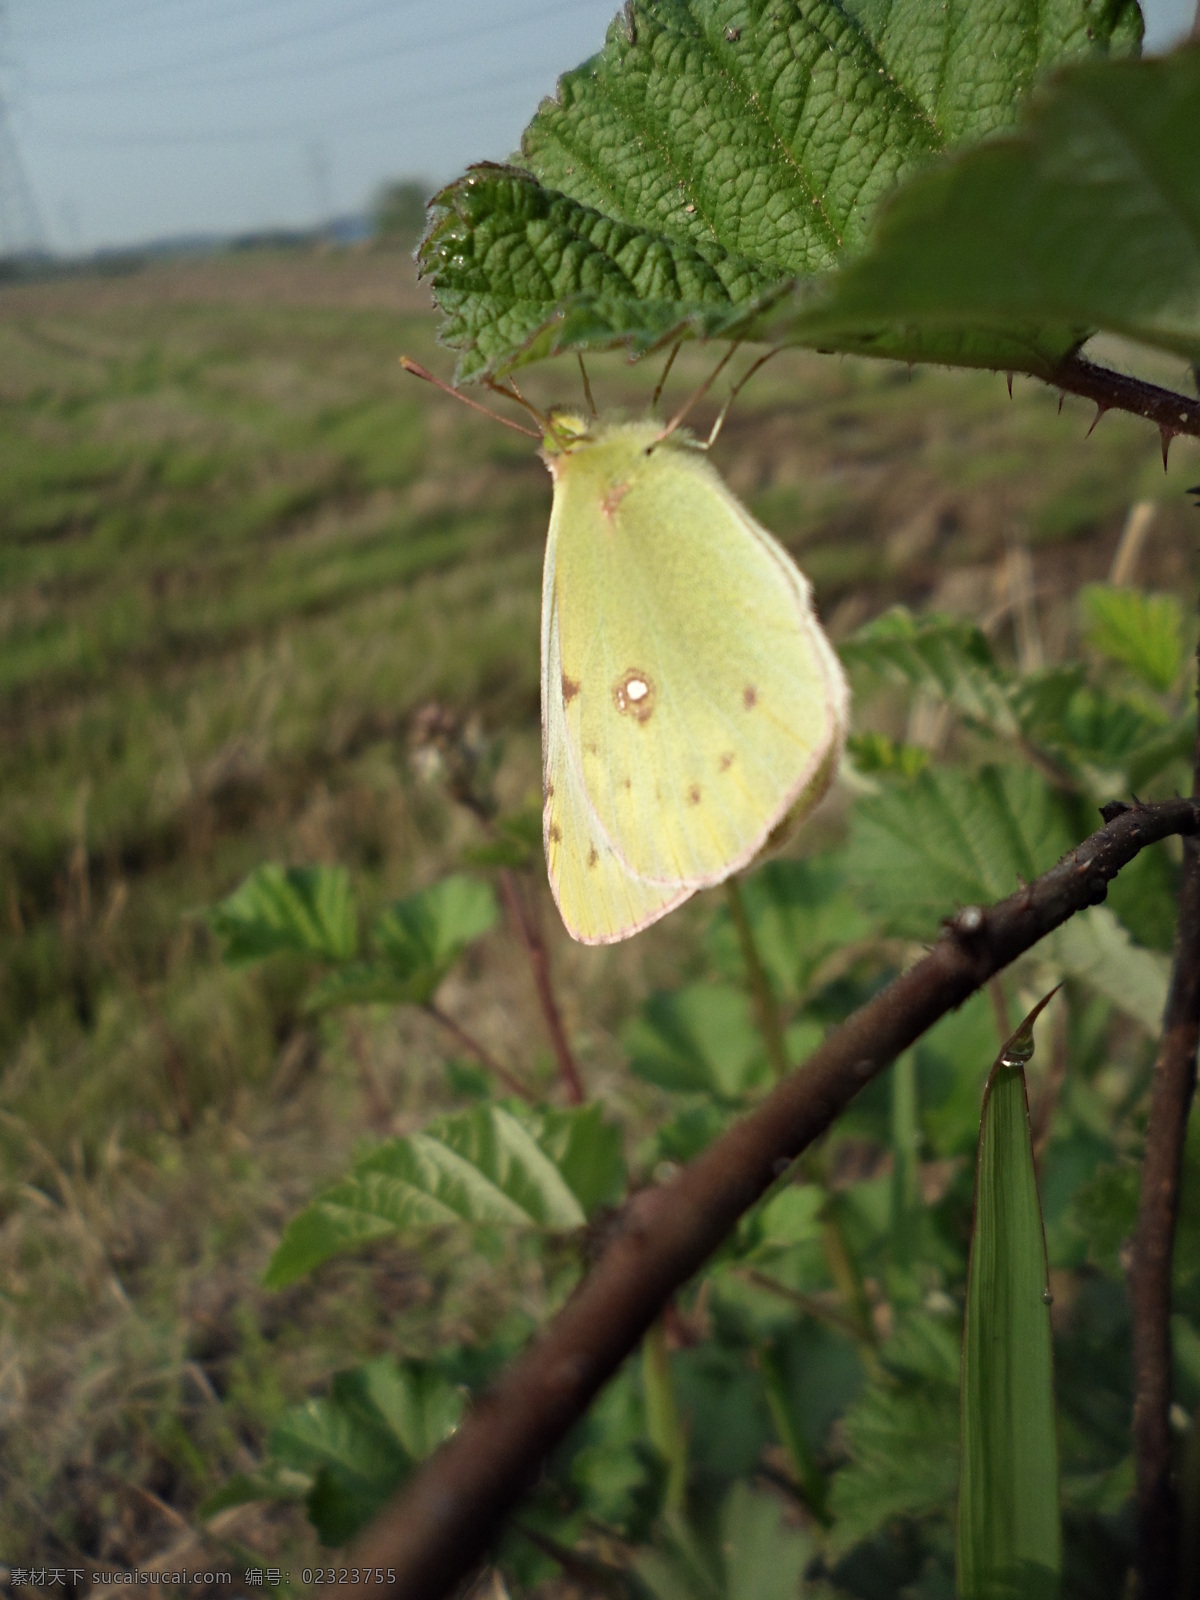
point(239, 547)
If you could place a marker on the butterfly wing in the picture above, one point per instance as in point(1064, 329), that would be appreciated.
point(599, 899)
point(702, 702)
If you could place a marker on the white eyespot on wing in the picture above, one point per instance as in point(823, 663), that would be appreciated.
point(599, 899)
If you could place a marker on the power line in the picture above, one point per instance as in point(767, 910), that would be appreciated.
point(387, 116)
point(310, 68)
point(218, 58)
point(91, 22)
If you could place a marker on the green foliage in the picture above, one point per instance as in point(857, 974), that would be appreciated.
point(306, 909)
point(1085, 218)
point(486, 1167)
point(1143, 632)
point(1009, 1529)
point(606, 236)
point(416, 942)
point(950, 838)
point(942, 656)
point(902, 1436)
point(700, 1039)
point(357, 1445)
point(751, 1554)
point(800, 914)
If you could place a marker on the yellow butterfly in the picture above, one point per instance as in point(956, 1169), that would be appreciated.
point(691, 702)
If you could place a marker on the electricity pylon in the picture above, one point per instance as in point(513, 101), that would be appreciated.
point(21, 230)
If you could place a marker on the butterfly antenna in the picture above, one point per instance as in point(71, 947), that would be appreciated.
point(666, 372)
point(587, 388)
point(699, 394)
point(511, 392)
point(733, 394)
point(455, 394)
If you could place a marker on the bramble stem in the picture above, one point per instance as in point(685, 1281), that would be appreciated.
point(524, 922)
point(1116, 391)
point(770, 1024)
point(483, 1056)
point(1171, 1089)
point(434, 1532)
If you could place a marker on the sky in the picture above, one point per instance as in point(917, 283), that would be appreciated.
point(137, 120)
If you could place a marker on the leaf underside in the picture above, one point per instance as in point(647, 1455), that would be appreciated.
point(719, 157)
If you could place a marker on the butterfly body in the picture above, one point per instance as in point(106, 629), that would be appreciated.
point(690, 700)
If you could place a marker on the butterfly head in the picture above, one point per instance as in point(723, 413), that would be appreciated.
point(565, 431)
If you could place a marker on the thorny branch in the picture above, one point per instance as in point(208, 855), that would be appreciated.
point(1116, 391)
point(1153, 1246)
point(435, 1532)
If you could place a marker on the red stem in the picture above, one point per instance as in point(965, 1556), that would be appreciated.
point(1171, 1089)
point(525, 924)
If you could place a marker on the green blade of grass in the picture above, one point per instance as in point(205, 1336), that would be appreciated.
point(1009, 1530)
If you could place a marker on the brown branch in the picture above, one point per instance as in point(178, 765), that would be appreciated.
point(525, 924)
point(433, 1534)
point(1116, 391)
point(1158, 1208)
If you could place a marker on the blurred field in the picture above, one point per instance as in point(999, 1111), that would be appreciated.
point(240, 548)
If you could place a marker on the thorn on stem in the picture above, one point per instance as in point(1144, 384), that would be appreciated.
point(1112, 809)
point(1009, 376)
point(1101, 408)
point(1166, 435)
point(1062, 395)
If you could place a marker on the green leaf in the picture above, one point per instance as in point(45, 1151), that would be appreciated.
point(482, 1167)
point(949, 837)
point(426, 933)
point(417, 940)
point(716, 149)
point(1144, 632)
point(1009, 1531)
point(790, 1218)
point(942, 656)
point(758, 1554)
point(902, 1436)
point(1094, 947)
point(1100, 739)
point(875, 752)
point(799, 913)
point(1086, 218)
point(701, 1039)
point(585, 1148)
point(307, 909)
point(358, 1444)
point(1104, 1211)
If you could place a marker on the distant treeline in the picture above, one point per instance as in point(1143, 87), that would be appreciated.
point(396, 216)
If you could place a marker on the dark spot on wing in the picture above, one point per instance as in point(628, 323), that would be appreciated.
point(627, 783)
point(749, 697)
point(549, 790)
point(570, 689)
point(726, 761)
point(694, 795)
point(593, 858)
point(634, 695)
point(555, 833)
